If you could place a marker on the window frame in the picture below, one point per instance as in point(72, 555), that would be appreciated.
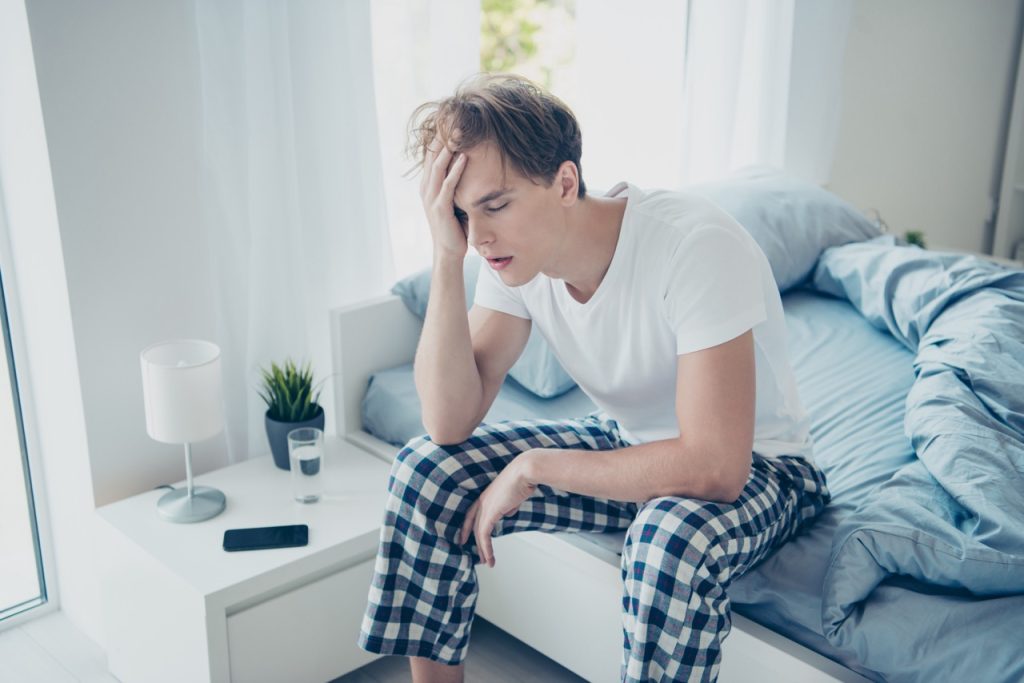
point(11, 323)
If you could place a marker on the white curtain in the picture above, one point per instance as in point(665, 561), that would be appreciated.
point(671, 93)
point(820, 30)
point(422, 49)
point(629, 65)
point(668, 93)
point(294, 209)
point(762, 86)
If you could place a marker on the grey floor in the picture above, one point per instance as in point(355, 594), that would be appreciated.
point(494, 657)
point(49, 649)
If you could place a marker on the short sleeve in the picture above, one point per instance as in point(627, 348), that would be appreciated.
point(492, 293)
point(713, 290)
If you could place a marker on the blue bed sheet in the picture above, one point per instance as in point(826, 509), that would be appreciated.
point(853, 380)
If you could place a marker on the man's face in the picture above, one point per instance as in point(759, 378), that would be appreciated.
point(518, 230)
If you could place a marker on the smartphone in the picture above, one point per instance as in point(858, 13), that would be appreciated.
point(260, 538)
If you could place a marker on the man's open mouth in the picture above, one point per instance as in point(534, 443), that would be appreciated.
point(499, 262)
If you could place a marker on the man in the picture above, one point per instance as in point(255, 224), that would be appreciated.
point(665, 312)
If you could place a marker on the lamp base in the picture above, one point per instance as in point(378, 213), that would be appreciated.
point(176, 506)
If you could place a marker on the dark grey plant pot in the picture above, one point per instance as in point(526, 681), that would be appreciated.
point(277, 434)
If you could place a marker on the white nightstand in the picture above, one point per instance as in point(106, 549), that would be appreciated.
point(177, 607)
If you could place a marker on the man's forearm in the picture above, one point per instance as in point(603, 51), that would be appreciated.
point(636, 473)
point(447, 379)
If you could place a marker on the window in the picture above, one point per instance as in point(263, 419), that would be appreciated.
point(22, 585)
point(533, 38)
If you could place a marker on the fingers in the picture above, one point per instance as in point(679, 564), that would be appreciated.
point(482, 530)
point(467, 526)
point(431, 182)
point(441, 160)
point(436, 159)
point(427, 168)
point(452, 180)
point(437, 162)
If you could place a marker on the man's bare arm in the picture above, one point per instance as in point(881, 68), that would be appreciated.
point(711, 459)
point(460, 361)
point(447, 379)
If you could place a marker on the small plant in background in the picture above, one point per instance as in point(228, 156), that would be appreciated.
point(288, 393)
point(914, 237)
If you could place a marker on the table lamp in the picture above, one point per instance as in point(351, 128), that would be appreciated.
point(181, 386)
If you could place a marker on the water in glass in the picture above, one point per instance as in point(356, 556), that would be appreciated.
point(305, 450)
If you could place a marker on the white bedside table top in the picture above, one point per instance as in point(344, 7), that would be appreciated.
point(345, 522)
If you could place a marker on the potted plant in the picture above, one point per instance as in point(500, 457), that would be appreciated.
point(914, 237)
point(288, 393)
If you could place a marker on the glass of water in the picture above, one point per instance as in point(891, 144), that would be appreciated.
point(306, 459)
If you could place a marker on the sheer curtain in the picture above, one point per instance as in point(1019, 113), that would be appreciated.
point(422, 49)
point(630, 60)
point(668, 93)
point(762, 86)
point(672, 93)
point(294, 209)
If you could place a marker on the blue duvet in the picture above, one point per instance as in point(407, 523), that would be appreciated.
point(949, 524)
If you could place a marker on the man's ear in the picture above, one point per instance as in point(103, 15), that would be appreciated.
point(568, 181)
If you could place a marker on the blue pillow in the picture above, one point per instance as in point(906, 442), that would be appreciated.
point(792, 220)
point(537, 369)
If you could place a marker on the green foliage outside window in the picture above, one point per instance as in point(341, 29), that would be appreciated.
point(529, 37)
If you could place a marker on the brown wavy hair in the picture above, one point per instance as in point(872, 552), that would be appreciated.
point(534, 131)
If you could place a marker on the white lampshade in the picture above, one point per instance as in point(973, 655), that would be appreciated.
point(181, 385)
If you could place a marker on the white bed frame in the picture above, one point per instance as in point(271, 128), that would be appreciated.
point(558, 593)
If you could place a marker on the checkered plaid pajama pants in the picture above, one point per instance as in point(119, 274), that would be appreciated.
point(679, 557)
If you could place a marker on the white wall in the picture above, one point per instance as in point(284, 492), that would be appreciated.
point(926, 89)
point(118, 84)
point(118, 81)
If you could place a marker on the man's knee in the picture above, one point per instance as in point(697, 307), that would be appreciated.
point(425, 470)
point(679, 537)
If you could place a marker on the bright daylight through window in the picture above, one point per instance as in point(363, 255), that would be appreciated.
point(533, 38)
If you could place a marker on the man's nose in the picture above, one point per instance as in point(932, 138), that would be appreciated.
point(476, 235)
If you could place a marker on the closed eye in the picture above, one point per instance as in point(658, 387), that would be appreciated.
point(460, 215)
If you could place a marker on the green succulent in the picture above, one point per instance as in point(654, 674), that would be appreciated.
point(914, 237)
point(288, 391)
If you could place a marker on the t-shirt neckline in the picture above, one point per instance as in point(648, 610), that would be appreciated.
point(602, 286)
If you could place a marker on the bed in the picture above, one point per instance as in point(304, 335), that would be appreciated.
point(910, 364)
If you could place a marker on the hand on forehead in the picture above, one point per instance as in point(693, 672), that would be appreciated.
point(483, 174)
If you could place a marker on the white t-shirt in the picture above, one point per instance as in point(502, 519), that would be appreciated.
point(685, 276)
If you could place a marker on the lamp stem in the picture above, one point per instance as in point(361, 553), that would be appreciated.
point(188, 467)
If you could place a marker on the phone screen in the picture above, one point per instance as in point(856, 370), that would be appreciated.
point(258, 538)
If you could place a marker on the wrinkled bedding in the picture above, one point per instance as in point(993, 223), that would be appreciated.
point(948, 525)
